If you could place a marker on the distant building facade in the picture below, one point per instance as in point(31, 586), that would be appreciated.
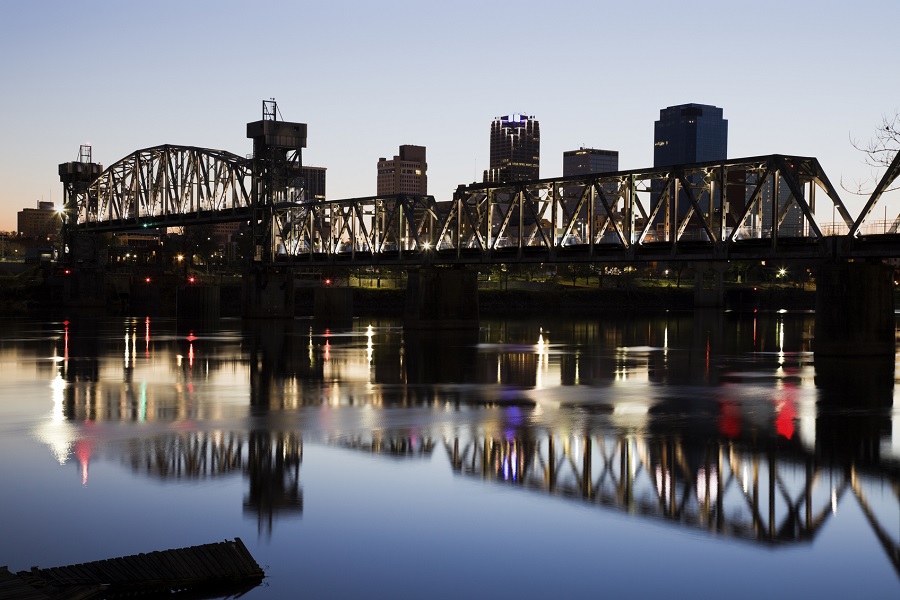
point(689, 133)
point(590, 160)
point(686, 134)
point(314, 177)
point(42, 222)
point(515, 149)
point(406, 173)
point(586, 161)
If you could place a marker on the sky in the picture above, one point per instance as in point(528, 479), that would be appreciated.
point(793, 77)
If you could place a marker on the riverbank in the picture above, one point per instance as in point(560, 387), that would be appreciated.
point(26, 296)
point(579, 301)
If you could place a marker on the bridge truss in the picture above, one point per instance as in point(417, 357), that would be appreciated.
point(167, 186)
point(751, 208)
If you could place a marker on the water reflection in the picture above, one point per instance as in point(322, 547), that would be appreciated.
point(716, 422)
point(757, 494)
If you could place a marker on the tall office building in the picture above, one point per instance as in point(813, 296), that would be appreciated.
point(590, 160)
point(586, 161)
point(405, 173)
point(42, 222)
point(515, 149)
point(314, 180)
point(689, 133)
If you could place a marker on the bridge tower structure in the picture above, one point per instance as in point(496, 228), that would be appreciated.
point(79, 251)
point(277, 185)
point(76, 177)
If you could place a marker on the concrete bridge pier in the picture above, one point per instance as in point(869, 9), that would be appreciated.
point(854, 310)
point(198, 303)
point(268, 293)
point(709, 284)
point(441, 298)
point(333, 307)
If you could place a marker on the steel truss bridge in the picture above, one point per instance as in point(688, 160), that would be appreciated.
point(765, 206)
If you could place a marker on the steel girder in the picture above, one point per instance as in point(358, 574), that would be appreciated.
point(167, 185)
point(750, 207)
point(716, 203)
point(373, 226)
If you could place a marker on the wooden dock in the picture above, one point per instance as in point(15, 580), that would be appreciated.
point(224, 566)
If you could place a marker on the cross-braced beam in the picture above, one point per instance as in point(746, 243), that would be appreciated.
point(167, 186)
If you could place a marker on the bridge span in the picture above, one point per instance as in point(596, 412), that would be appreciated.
point(761, 207)
point(756, 208)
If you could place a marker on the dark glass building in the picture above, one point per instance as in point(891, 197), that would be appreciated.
point(314, 178)
point(590, 160)
point(515, 149)
point(689, 133)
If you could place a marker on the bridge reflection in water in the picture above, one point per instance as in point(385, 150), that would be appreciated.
point(747, 493)
point(678, 431)
point(766, 493)
point(269, 461)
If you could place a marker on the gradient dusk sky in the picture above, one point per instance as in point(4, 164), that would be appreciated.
point(793, 77)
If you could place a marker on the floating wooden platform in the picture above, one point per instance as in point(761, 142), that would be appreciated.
point(225, 566)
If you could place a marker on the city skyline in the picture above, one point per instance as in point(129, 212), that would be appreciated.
point(81, 76)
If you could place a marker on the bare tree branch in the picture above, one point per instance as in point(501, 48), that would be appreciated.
point(879, 152)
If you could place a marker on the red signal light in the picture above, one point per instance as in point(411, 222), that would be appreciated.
point(327, 282)
point(191, 279)
point(67, 272)
point(147, 279)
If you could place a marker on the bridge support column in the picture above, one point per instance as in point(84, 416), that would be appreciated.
point(854, 310)
point(333, 307)
point(268, 294)
point(198, 302)
point(709, 284)
point(441, 298)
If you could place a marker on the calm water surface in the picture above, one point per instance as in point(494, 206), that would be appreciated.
point(698, 456)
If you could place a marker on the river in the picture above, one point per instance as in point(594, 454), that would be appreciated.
point(702, 455)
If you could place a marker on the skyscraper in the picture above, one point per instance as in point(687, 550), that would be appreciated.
point(585, 161)
point(689, 133)
point(590, 160)
point(314, 181)
point(515, 149)
point(405, 173)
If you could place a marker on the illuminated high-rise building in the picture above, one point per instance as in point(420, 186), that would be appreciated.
point(405, 173)
point(515, 149)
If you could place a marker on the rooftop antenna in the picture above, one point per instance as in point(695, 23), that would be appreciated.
point(271, 111)
point(270, 108)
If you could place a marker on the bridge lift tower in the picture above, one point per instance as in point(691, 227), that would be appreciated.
point(76, 178)
point(277, 184)
point(277, 176)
